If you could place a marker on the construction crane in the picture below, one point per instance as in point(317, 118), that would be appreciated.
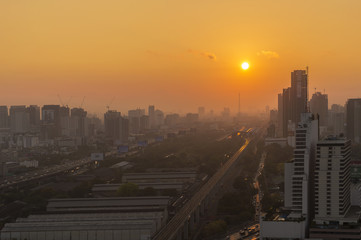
point(108, 106)
point(64, 104)
point(82, 102)
point(61, 101)
point(68, 102)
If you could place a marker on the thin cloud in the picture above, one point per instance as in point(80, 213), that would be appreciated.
point(268, 54)
point(208, 55)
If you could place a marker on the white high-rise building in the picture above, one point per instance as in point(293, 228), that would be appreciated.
point(332, 179)
point(294, 222)
point(298, 173)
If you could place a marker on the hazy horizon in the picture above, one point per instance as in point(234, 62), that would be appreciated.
point(177, 56)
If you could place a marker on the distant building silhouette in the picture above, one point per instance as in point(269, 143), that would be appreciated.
point(151, 115)
point(135, 117)
point(19, 119)
point(116, 126)
point(293, 101)
point(50, 122)
point(78, 118)
point(34, 118)
point(353, 118)
point(319, 106)
point(4, 117)
point(336, 120)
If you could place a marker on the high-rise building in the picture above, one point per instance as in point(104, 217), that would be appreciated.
point(78, 118)
point(158, 118)
point(287, 110)
point(319, 106)
point(134, 117)
point(116, 127)
point(50, 122)
point(280, 116)
point(332, 179)
point(65, 122)
point(293, 101)
point(19, 119)
point(353, 120)
point(151, 115)
point(298, 173)
point(336, 120)
point(34, 117)
point(294, 219)
point(4, 117)
point(299, 94)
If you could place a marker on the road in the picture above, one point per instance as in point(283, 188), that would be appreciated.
point(53, 170)
point(248, 233)
point(44, 172)
point(173, 226)
point(253, 234)
point(259, 195)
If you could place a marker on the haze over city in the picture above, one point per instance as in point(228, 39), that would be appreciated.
point(180, 120)
point(176, 55)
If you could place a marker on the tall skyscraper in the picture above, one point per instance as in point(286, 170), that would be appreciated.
point(293, 101)
point(4, 117)
point(332, 179)
point(299, 94)
point(298, 173)
point(319, 106)
point(287, 110)
point(353, 120)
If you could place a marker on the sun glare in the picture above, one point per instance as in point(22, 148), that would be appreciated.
point(245, 65)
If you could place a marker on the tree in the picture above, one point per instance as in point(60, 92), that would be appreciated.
point(214, 227)
point(128, 190)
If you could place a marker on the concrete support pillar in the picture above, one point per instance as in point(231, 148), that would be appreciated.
point(192, 222)
point(185, 231)
point(179, 234)
point(202, 208)
point(197, 214)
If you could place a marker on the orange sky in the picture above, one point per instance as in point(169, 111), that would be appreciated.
point(177, 55)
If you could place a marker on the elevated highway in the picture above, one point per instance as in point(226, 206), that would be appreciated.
point(185, 220)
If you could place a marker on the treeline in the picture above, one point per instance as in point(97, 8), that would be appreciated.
point(200, 151)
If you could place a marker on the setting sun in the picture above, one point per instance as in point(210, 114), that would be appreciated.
point(245, 65)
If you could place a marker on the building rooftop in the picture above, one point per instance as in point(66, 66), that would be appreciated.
point(107, 204)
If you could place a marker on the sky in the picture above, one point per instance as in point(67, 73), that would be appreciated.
point(176, 55)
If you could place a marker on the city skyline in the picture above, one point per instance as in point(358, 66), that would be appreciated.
point(126, 51)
